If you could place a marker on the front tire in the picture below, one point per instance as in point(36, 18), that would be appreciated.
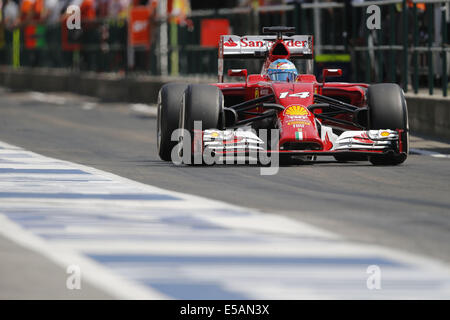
point(201, 103)
point(388, 110)
point(169, 105)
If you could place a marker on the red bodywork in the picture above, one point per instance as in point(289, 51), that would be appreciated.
point(304, 114)
point(296, 97)
point(310, 118)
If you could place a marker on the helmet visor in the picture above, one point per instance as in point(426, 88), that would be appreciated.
point(283, 76)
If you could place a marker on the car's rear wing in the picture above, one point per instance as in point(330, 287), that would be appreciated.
point(236, 47)
point(258, 47)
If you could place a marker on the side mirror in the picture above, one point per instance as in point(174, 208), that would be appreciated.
point(331, 73)
point(238, 73)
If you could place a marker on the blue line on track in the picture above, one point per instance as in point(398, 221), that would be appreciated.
point(343, 261)
point(43, 171)
point(15, 155)
point(36, 195)
point(193, 291)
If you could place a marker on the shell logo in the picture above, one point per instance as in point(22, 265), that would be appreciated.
point(296, 111)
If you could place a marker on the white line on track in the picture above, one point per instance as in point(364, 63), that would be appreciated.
point(138, 241)
point(94, 273)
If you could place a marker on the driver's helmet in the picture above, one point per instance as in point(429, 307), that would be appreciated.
point(282, 70)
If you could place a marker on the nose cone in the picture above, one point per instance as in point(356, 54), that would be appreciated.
point(299, 128)
point(297, 124)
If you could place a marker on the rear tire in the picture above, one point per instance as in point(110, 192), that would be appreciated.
point(388, 110)
point(169, 105)
point(201, 103)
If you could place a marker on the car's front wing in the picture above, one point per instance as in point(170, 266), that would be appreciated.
point(247, 141)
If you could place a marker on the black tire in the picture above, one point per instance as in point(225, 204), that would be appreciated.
point(203, 103)
point(169, 104)
point(388, 110)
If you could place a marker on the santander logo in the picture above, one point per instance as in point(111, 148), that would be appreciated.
point(245, 42)
point(255, 42)
point(230, 43)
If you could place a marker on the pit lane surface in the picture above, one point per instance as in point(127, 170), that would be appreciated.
point(405, 207)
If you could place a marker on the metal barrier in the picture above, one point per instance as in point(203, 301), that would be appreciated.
point(383, 51)
point(431, 46)
point(99, 47)
point(408, 49)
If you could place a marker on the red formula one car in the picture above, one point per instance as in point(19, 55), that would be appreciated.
point(304, 118)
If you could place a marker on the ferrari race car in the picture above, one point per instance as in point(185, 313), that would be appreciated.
point(280, 111)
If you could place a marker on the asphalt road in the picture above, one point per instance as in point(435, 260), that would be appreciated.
point(405, 207)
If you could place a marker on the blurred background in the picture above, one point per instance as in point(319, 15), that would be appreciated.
point(180, 37)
